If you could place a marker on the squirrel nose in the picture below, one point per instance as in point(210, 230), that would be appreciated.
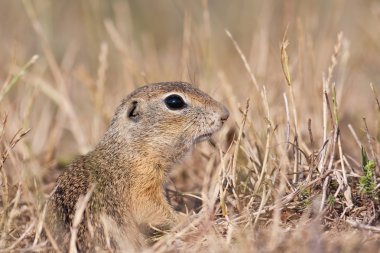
point(224, 114)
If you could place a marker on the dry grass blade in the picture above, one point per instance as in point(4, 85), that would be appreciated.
point(8, 86)
point(80, 208)
point(285, 69)
point(285, 58)
point(244, 59)
point(238, 141)
point(360, 145)
point(375, 95)
point(356, 224)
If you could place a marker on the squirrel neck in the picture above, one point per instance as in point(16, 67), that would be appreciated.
point(131, 164)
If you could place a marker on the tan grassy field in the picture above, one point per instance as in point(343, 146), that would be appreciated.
point(293, 170)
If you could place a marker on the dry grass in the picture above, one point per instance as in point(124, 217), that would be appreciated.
point(294, 170)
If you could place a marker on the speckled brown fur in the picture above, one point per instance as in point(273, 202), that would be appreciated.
point(128, 168)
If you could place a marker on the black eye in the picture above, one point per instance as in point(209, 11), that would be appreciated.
point(175, 102)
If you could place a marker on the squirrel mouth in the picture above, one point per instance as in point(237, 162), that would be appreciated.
point(203, 137)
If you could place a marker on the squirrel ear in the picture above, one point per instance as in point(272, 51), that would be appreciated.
point(134, 111)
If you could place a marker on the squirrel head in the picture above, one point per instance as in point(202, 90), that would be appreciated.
point(165, 120)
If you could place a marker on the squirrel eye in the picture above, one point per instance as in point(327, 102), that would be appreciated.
point(175, 102)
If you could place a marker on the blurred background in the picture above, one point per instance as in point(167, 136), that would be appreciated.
point(65, 66)
point(93, 53)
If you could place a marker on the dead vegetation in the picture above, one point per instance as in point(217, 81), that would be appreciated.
point(296, 167)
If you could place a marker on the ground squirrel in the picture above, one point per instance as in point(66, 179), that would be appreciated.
point(151, 130)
